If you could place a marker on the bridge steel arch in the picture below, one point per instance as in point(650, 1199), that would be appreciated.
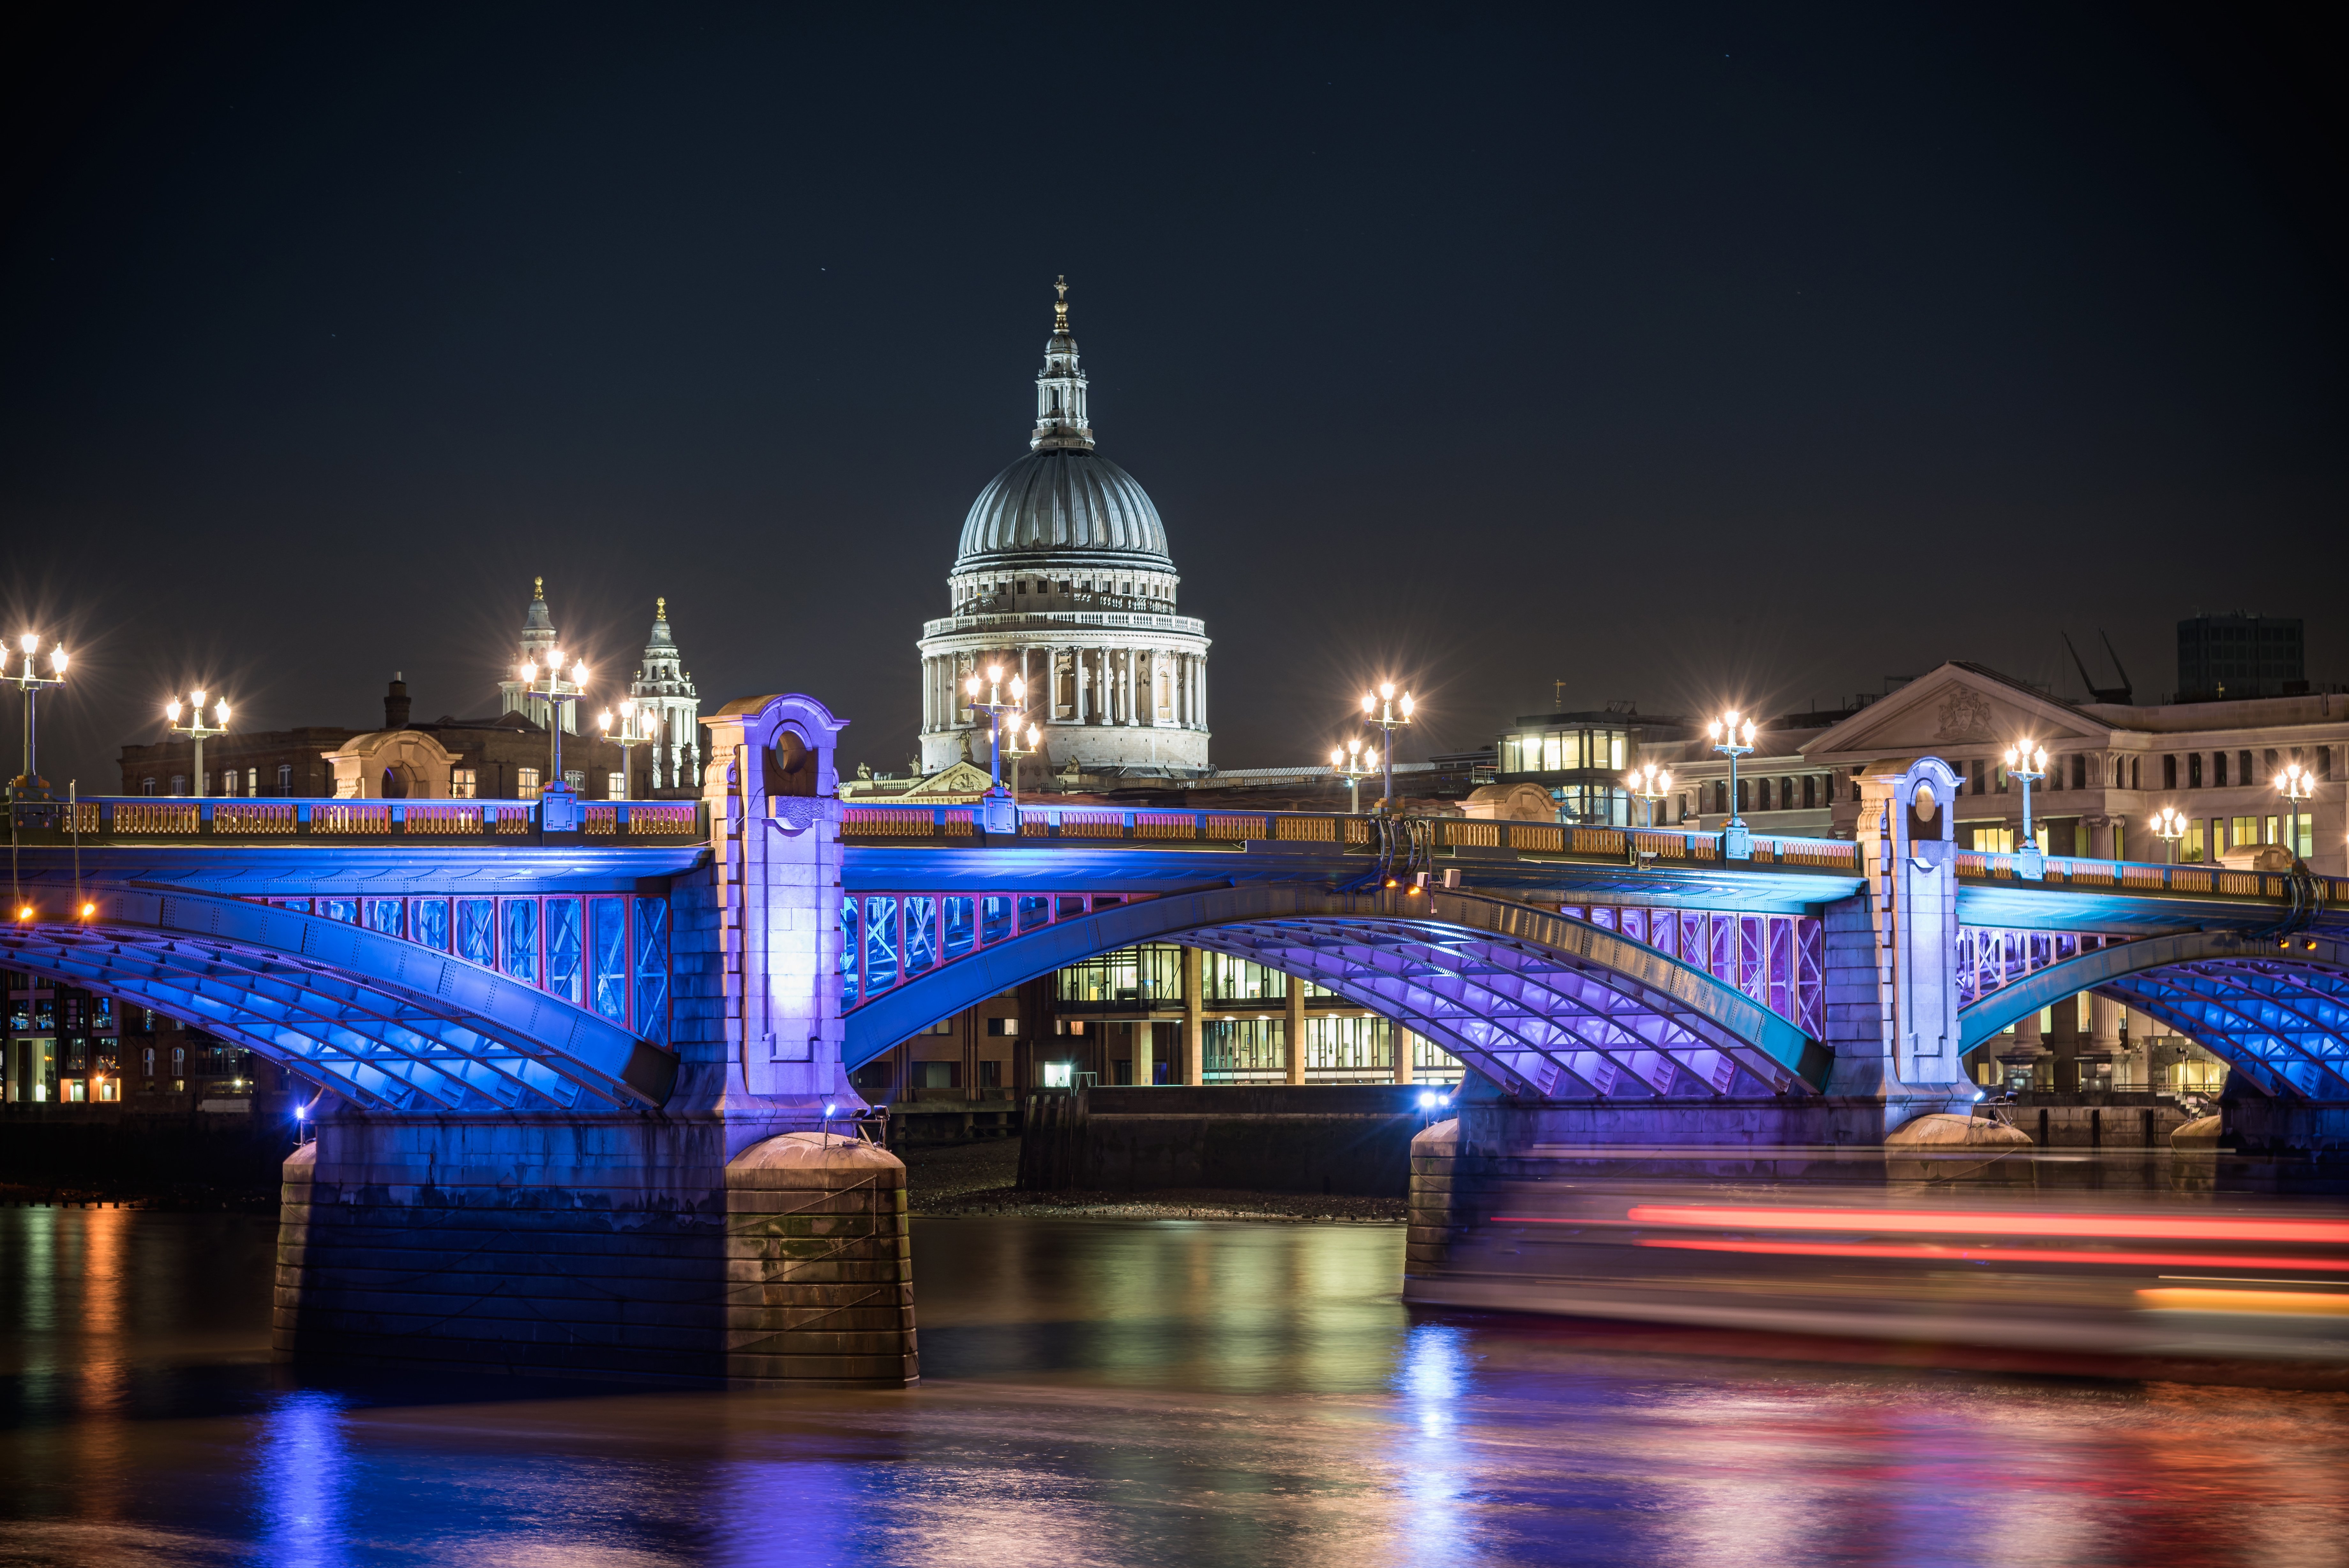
point(388, 1024)
point(2275, 1008)
point(1540, 1004)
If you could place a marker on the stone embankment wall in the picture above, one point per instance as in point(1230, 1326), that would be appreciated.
point(128, 1150)
point(1352, 1139)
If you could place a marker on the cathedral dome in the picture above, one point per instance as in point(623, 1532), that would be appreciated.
point(1066, 501)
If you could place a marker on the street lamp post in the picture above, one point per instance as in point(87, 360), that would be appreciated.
point(1382, 711)
point(558, 806)
point(1352, 764)
point(627, 737)
point(2297, 784)
point(2169, 826)
point(2028, 762)
point(197, 731)
point(1651, 784)
point(999, 812)
point(1014, 751)
point(30, 681)
point(1733, 742)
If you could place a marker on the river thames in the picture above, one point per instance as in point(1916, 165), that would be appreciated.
point(1112, 1392)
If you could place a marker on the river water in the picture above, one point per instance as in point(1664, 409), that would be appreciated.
point(1103, 1392)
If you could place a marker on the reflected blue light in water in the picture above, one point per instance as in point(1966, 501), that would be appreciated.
point(1430, 1379)
point(304, 1479)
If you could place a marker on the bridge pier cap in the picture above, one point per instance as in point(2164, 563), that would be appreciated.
point(762, 922)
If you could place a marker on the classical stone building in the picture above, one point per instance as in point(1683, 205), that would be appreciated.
point(1064, 580)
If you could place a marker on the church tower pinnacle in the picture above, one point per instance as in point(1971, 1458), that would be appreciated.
point(1061, 421)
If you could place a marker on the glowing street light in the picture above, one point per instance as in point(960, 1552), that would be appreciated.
point(2170, 825)
point(628, 721)
point(2028, 762)
point(1387, 714)
point(1351, 763)
point(999, 810)
point(29, 680)
point(2296, 784)
point(1652, 784)
point(1015, 750)
point(1733, 741)
point(558, 806)
point(196, 729)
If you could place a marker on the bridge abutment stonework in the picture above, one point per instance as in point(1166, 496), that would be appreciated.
point(725, 1234)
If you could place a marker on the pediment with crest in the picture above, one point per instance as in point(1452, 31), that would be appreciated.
point(1956, 708)
point(961, 779)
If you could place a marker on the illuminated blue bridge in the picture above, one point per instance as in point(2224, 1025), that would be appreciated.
point(620, 1029)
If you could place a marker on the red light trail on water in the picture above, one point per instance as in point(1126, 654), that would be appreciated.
point(1984, 1254)
point(1945, 1222)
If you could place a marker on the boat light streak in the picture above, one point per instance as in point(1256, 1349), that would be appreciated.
point(1984, 1254)
point(1944, 1222)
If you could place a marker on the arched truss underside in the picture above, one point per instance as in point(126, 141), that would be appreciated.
point(1541, 1005)
point(387, 1025)
point(2275, 1008)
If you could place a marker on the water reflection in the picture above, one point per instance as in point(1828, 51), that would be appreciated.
point(302, 1479)
point(1105, 1393)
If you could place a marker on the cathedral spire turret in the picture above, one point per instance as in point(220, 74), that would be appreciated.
point(1060, 419)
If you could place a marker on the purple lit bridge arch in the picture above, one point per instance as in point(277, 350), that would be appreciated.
point(1542, 1005)
point(2274, 1006)
point(386, 1022)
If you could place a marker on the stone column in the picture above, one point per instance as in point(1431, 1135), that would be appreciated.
point(1194, 1044)
point(1077, 685)
point(1145, 1052)
point(2030, 1040)
point(1406, 1048)
point(1295, 1028)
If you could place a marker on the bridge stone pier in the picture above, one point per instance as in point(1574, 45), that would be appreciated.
point(1889, 1050)
point(728, 1231)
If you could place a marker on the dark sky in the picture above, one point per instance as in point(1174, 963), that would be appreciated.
point(1686, 354)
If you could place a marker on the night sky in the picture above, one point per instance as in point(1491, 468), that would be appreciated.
point(1687, 356)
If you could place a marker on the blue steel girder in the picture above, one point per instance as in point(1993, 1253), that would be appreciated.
point(1595, 1032)
point(392, 1025)
point(282, 1021)
point(2258, 1018)
point(321, 1016)
point(1521, 994)
point(2275, 1006)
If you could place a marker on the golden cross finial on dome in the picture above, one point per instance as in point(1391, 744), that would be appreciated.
point(538, 587)
point(660, 608)
point(1060, 305)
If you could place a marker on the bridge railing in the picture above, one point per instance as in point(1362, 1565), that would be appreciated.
point(2134, 876)
point(1338, 830)
point(950, 823)
point(164, 818)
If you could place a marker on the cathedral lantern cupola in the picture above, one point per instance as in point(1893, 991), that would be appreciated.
point(1061, 386)
point(1063, 576)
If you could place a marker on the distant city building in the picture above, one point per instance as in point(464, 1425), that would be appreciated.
point(1063, 579)
point(500, 759)
point(2239, 656)
point(663, 690)
point(2110, 768)
point(1580, 759)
